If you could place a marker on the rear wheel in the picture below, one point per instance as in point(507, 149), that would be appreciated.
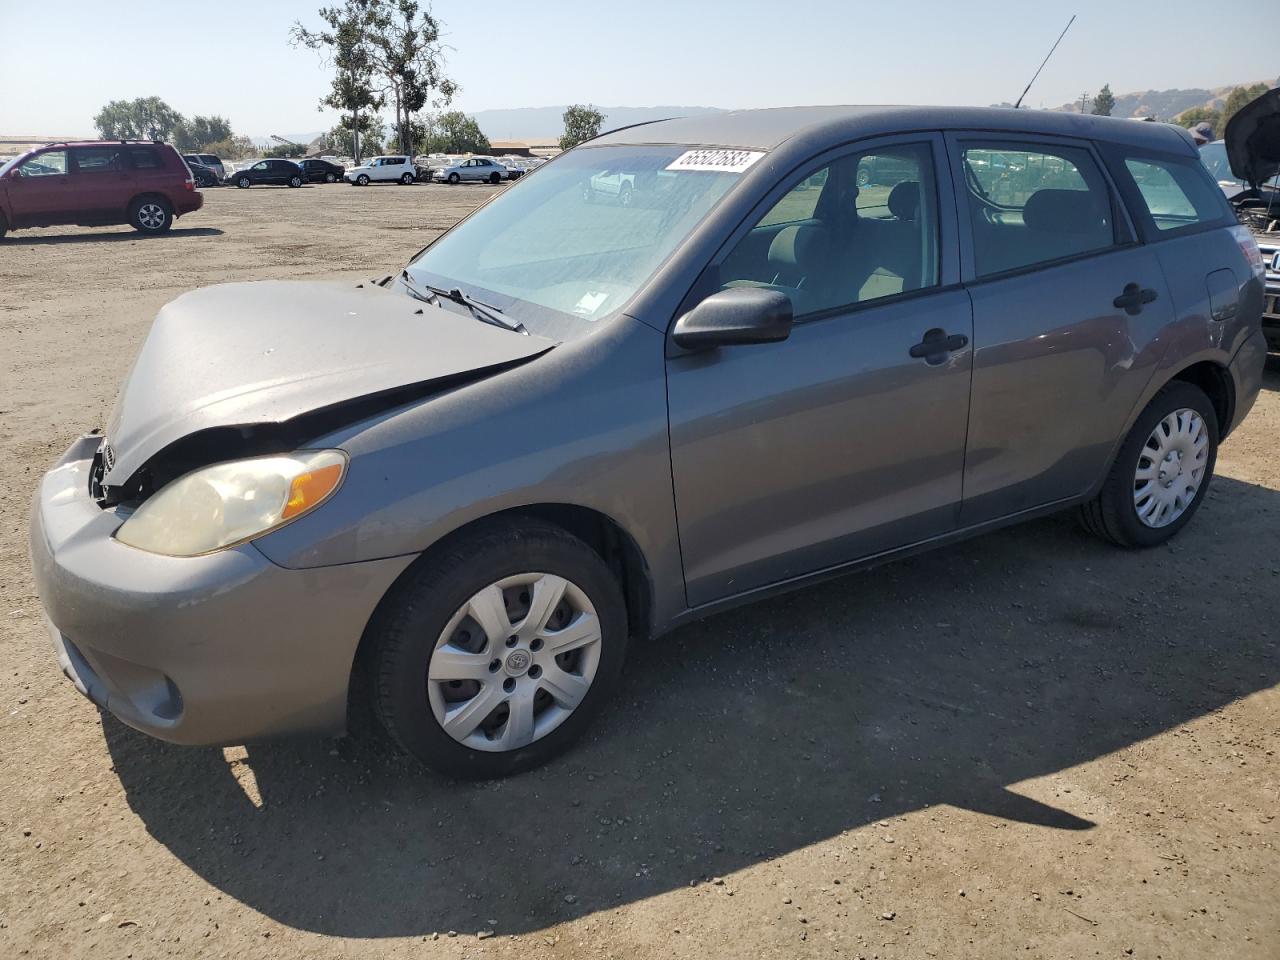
point(493, 656)
point(330, 177)
point(406, 179)
point(1160, 477)
point(295, 181)
point(151, 215)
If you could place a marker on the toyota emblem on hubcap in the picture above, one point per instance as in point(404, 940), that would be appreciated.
point(518, 662)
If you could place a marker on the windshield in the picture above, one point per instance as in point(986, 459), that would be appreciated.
point(12, 162)
point(1214, 157)
point(569, 247)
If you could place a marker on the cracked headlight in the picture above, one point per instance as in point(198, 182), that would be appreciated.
point(229, 503)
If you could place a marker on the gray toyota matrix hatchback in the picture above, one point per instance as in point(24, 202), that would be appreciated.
point(682, 366)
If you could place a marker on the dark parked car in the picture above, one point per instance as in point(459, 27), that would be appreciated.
point(316, 170)
point(566, 425)
point(94, 183)
point(210, 160)
point(272, 171)
point(204, 176)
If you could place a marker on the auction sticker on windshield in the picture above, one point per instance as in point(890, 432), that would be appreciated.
point(716, 161)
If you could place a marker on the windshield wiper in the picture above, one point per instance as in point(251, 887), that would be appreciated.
point(486, 312)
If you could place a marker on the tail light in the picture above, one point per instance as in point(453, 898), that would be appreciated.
point(1249, 247)
point(190, 184)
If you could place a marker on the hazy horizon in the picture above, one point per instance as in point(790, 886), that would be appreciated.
point(716, 54)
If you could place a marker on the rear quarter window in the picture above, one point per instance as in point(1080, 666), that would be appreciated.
point(1168, 195)
point(145, 158)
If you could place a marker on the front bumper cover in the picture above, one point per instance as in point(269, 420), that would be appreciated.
point(217, 649)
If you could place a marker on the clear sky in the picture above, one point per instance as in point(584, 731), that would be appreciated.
point(60, 60)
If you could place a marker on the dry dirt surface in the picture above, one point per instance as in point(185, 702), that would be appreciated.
point(1029, 745)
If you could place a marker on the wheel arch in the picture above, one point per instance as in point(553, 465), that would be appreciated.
point(151, 195)
point(603, 534)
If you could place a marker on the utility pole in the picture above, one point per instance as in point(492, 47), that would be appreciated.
point(1084, 102)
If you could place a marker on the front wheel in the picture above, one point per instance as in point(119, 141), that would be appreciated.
point(151, 215)
point(495, 178)
point(4, 226)
point(363, 179)
point(1162, 472)
point(493, 656)
point(244, 183)
point(454, 179)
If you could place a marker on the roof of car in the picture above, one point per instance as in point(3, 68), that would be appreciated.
point(100, 143)
point(765, 129)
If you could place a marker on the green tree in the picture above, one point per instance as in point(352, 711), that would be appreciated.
point(347, 45)
point(1189, 118)
point(289, 151)
point(232, 148)
point(408, 58)
point(1236, 99)
point(581, 123)
point(455, 132)
point(195, 134)
point(372, 133)
point(1104, 102)
point(147, 118)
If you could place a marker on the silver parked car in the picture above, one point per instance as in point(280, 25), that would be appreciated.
point(483, 169)
point(568, 425)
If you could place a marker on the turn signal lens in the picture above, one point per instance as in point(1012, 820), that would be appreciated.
point(309, 489)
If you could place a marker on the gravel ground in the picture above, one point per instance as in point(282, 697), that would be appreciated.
point(1027, 745)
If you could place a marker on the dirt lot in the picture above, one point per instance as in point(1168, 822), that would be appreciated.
point(1029, 745)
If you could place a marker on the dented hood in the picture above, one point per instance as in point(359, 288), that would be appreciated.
point(242, 354)
point(1253, 139)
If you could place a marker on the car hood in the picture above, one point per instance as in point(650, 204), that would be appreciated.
point(245, 354)
point(1253, 139)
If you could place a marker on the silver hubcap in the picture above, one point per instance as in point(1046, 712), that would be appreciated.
point(1171, 468)
point(514, 662)
point(151, 215)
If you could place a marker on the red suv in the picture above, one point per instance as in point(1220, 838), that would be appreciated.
point(96, 182)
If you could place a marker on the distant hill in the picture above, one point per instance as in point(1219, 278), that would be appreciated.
point(1167, 104)
point(534, 123)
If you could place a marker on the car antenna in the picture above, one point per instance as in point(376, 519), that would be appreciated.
point(1045, 60)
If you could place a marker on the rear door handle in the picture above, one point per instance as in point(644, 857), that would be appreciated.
point(937, 343)
point(1133, 299)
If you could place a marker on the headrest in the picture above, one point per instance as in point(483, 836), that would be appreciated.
point(1063, 211)
point(797, 245)
point(904, 200)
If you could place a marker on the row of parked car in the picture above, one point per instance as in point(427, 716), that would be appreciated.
point(210, 171)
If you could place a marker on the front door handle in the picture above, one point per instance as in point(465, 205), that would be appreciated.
point(937, 343)
point(1134, 299)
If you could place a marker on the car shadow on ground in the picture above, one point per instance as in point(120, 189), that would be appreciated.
point(947, 678)
point(119, 236)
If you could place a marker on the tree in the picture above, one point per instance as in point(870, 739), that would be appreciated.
point(147, 118)
point(372, 133)
point(1189, 118)
point(1236, 99)
point(232, 148)
point(1104, 102)
point(455, 132)
point(289, 151)
point(347, 45)
point(194, 135)
point(408, 57)
point(580, 123)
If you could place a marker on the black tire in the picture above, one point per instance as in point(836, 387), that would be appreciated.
point(495, 178)
point(455, 179)
point(363, 179)
point(295, 182)
point(411, 618)
point(1112, 515)
point(151, 215)
point(244, 183)
point(330, 177)
point(406, 179)
point(4, 226)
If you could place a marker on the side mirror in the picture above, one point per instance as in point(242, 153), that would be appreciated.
point(739, 315)
point(14, 174)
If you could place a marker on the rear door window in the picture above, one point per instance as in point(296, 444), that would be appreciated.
point(1033, 204)
point(98, 159)
point(1175, 193)
point(145, 158)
